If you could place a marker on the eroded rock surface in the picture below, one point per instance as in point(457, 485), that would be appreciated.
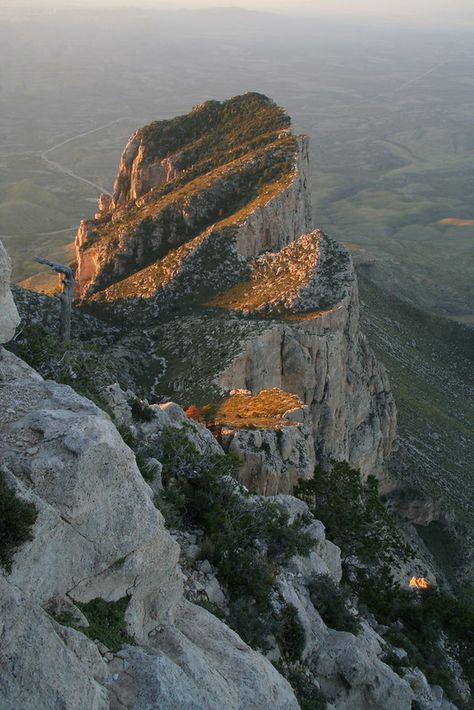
point(98, 534)
point(326, 361)
point(9, 317)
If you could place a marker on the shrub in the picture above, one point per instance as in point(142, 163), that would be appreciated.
point(308, 695)
point(178, 454)
point(107, 622)
point(80, 365)
point(245, 540)
point(291, 638)
point(171, 503)
point(331, 602)
point(17, 517)
point(355, 518)
point(141, 411)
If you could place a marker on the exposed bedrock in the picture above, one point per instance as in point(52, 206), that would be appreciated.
point(327, 362)
point(9, 317)
point(98, 535)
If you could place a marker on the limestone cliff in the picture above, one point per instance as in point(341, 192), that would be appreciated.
point(9, 318)
point(326, 361)
point(230, 171)
point(210, 219)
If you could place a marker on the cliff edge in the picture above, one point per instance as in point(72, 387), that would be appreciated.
point(207, 246)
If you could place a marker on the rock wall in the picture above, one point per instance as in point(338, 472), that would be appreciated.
point(327, 362)
point(9, 317)
point(136, 176)
point(285, 217)
point(98, 534)
point(273, 459)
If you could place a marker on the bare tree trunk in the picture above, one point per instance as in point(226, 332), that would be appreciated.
point(66, 281)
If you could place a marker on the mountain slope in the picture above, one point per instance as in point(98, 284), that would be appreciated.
point(430, 364)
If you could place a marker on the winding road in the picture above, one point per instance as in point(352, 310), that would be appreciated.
point(52, 165)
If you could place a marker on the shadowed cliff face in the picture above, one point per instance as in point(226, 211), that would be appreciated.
point(207, 245)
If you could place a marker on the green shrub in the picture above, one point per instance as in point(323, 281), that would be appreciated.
point(291, 638)
point(308, 695)
point(178, 454)
point(331, 602)
point(148, 471)
point(107, 622)
point(355, 518)
point(17, 517)
point(80, 365)
point(245, 540)
point(171, 503)
point(141, 411)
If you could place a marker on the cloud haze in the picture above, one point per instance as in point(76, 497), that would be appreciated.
point(429, 12)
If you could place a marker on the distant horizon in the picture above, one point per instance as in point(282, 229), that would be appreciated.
point(419, 13)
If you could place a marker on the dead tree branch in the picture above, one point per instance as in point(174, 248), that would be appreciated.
point(66, 281)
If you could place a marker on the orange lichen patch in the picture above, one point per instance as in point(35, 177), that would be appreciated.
point(454, 222)
point(273, 277)
point(418, 583)
point(264, 410)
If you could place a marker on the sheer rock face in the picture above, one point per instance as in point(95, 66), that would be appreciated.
point(98, 534)
point(285, 217)
point(273, 459)
point(326, 361)
point(136, 176)
point(9, 318)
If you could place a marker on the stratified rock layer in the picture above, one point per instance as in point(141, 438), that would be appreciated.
point(231, 173)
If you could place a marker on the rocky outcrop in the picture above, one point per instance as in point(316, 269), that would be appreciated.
point(225, 165)
point(326, 361)
point(273, 457)
point(98, 534)
point(9, 318)
point(309, 274)
point(240, 257)
point(97, 528)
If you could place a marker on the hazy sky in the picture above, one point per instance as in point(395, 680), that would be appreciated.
point(431, 12)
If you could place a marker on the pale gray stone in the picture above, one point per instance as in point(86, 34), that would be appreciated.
point(9, 318)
